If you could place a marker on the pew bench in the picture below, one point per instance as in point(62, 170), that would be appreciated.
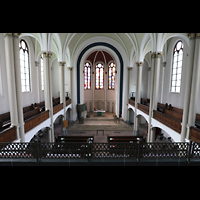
point(28, 108)
point(128, 139)
point(88, 139)
point(4, 121)
point(31, 113)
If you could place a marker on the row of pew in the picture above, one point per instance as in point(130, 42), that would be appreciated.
point(168, 109)
point(110, 139)
point(28, 112)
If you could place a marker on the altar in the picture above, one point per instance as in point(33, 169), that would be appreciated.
point(99, 112)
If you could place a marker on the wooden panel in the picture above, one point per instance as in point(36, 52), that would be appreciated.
point(173, 114)
point(132, 102)
point(57, 108)
point(143, 108)
point(8, 135)
point(168, 121)
point(36, 120)
point(195, 134)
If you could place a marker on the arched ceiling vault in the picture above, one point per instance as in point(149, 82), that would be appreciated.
point(135, 45)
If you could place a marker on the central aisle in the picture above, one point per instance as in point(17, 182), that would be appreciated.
point(105, 122)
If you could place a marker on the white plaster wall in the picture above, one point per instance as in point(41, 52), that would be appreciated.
point(4, 103)
point(176, 99)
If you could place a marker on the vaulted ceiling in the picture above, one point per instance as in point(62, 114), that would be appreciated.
point(133, 45)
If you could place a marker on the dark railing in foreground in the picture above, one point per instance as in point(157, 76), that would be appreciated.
point(89, 151)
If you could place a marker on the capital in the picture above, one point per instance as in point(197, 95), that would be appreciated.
point(70, 68)
point(12, 34)
point(156, 54)
point(139, 64)
point(129, 68)
point(61, 64)
point(47, 54)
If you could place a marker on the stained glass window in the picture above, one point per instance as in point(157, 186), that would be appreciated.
point(99, 76)
point(177, 67)
point(111, 76)
point(87, 76)
point(24, 66)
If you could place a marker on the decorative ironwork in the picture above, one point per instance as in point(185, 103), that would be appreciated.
point(79, 150)
point(164, 150)
point(17, 150)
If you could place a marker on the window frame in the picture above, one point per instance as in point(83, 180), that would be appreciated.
point(112, 76)
point(99, 76)
point(90, 66)
point(25, 82)
point(174, 76)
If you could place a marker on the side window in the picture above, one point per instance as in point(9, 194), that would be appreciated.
point(25, 66)
point(177, 67)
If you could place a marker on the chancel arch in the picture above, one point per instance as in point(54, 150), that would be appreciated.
point(115, 54)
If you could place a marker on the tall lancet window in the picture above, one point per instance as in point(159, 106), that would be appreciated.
point(25, 67)
point(87, 76)
point(111, 76)
point(177, 67)
point(99, 76)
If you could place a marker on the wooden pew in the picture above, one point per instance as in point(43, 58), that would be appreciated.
point(28, 108)
point(161, 107)
point(31, 113)
point(128, 139)
point(40, 105)
point(56, 101)
point(173, 114)
point(4, 120)
point(75, 139)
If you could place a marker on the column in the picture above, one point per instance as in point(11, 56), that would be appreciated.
point(18, 85)
point(157, 57)
point(62, 86)
point(11, 81)
point(149, 82)
point(155, 76)
point(62, 81)
point(137, 96)
point(189, 68)
point(194, 87)
point(14, 82)
point(151, 97)
point(129, 78)
point(38, 81)
point(163, 76)
point(48, 89)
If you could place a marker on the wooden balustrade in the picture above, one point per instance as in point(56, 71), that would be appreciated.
point(57, 108)
point(169, 121)
point(68, 102)
point(195, 134)
point(8, 135)
point(132, 102)
point(36, 120)
point(143, 108)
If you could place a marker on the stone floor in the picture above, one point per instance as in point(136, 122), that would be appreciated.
point(106, 123)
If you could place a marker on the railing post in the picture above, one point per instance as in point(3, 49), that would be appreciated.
point(37, 150)
point(189, 151)
point(138, 156)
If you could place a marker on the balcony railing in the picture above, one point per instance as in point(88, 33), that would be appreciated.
point(36, 120)
point(88, 152)
point(169, 121)
point(143, 108)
